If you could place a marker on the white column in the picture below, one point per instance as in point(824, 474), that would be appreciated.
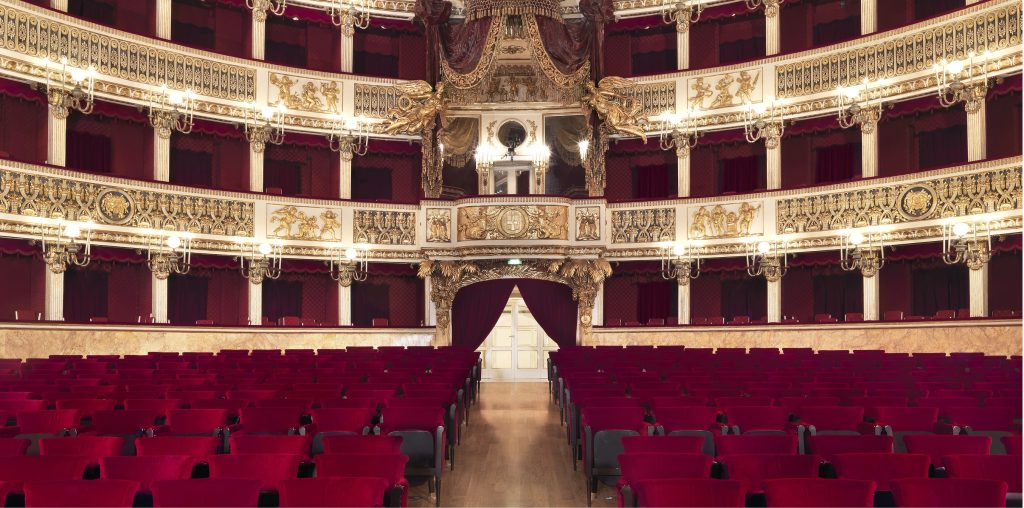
point(255, 304)
point(54, 306)
point(259, 34)
point(978, 290)
point(159, 302)
point(345, 176)
point(683, 176)
point(773, 158)
point(976, 131)
point(871, 296)
point(774, 302)
point(347, 51)
point(683, 305)
point(161, 156)
point(683, 45)
point(56, 136)
point(869, 152)
point(430, 310)
point(59, 5)
point(344, 305)
point(163, 19)
point(256, 167)
point(771, 27)
point(869, 16)
point(597, 315)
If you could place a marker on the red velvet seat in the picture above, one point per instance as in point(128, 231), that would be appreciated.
point(333, 492)
point(390, 467)
point(16, 471)
point(271, 420)
point(206, 492)
point(692, 421)
point(258, 443)
point(828, 446)
point(13, 447)
point(755, 444)
point(881, 468)
point(147, 469)
point(689, 492)
point(637, 467)
point(939, 446)
point(814, 492)
point(92, 447)
point(991, 467)
point(753, 470)
point(196, 446)
point(754, 419)
point(423, 440)
point(113, 493)
point(86, 407)
point(1012, 444)
point(662, 444)
point(660, 402)
point(948, 492)
point(353, 443)
point(603, 430)
point(268, 468)
point(795, 403)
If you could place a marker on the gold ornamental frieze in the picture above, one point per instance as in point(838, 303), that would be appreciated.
point(33, 195)
point(726, 220)
point(27, 33)
point(304, 94)
point(439, 225)
point(656, 97)
point(989, 191)
point(384, 227)
point(725, 90)
point(290, 222)
point(648, 225)
point(502, 222)
point(588, 223)
point(916, 51)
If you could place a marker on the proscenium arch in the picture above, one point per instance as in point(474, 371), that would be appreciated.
point(477, 307)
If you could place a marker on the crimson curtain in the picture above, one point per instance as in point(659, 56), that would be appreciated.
point(650, 182)
point(836, 163)
point(191, 168)
point(85, 294)
point(740, 174)
point(281, 298)
point(551, 304)
point(943, 287)
point(838, 293)
point(655, 300)
point(90, 152)
point(186, 299)
point(476, 310)
point(942, 147)
point(746, 296)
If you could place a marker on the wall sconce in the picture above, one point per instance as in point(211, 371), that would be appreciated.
point(962, 82)
point(258, 262)
point(349, 15)
point(970, 244)
point(485, 156)
point(855, 107)
point(171, 110)
point(678, 131)
point(349, 136)
point(66, 245)
point(770, 259)
point(761, 122)
point(681, 262)
point(858, 251)
point(683, 14)
point(75, 90)
point(349, 265)
point(264, 125)
point(169, 254)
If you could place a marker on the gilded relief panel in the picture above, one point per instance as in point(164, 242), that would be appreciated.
point(588, 223)
point(302, 94)
point(439, 225)
point(727, 220)
point(649, 225)
point(303, 223)
point(374, 101)
point(384, 227)
point(528, 222)
point(725, 90)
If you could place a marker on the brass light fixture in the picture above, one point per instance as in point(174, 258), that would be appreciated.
point(172, 110)
point(960, 81)
point(65, 244)
point(681, 262)
point(259, 262)
point(863, 252)
point(678, 131)
point(968, 243)
point(350, 265)
point(167, 254)
point(856, 108)
point(768, 259)
point(762, 122)
point(73, 90)
point(349, 136)
point(682, 13)
point(349, 15)
point(264, 125)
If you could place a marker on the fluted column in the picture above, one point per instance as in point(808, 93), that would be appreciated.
point(259, 33)
point(59, 5)
point(871, 298)
point(255, 304)
point(430, 309)
point(977, 280)
point(163, 19)
point(774, 301)
point(161, 154)
point(682, 45)
point(159, 300)
point(683, 304)
point(598, 314)
point(256, 166)
point(771, 27)
point(773, 161)
point(869, 16)
point(683, 172)
point(344, 305)
point(345, 175)
point(54, 305)
point(347, 50)
point(869, 151)
point(976, 130)
point(56, 132)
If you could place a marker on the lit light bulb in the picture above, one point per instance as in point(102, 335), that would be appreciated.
point(851, 93)
point(351, 253)
point(759, 109)
point(856, 238)
point(268, 113)
point(961, 229)
point(584, 147)
point(265, 248)
point(679, 249)
point(173, 242)
point(72, 231)
point(763, 247)
point(175, 98)
point(955, 67)
point(78, 75)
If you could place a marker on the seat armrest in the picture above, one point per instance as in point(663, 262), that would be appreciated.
point(870, 428)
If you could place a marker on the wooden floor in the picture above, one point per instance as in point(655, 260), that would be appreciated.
point(514, 453)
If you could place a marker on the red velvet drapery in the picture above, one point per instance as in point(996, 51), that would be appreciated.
point(551, 304)
point(476, 310)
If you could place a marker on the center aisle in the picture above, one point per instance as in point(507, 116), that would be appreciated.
point(514, 453)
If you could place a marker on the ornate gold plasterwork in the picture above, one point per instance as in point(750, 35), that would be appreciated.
point(620, 112)
point(374, 101)
point(384, 227)
point(656, 97)
point(951, 196)
point(588, 223)
point(439, 225)
point(723, 221)
point(530, 222)
point(303, 94)
point(291, 223)
point(54, 197)
point(27, 33)
point(728, 90)
point(647, 225)
point(914, 52)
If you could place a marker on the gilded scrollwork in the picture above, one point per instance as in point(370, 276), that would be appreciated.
point(384, 227)
point(656, 98)
point(588, 223)
point(620, 112)
point(374, 101)
point(950, 196)
point(529, 222)
point(647, 225)
point(291, 223)
point(302, 94)
point(724, 221)
point(439, 225)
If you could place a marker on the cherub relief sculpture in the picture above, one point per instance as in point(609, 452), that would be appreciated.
point(620, 113)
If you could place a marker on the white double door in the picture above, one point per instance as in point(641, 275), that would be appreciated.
point(517, 348)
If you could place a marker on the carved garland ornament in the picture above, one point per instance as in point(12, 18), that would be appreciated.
point(530, 222)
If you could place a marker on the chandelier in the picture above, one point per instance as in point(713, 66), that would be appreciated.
point(350, 265)
point(858, 251)
point(258, 262)
point(74, 90)
point(167, 255)
point(970, 244)
point(763, 123)
point(682, 14)
point(63, 245)
point(264, 125)
point(349, 15)
point(678, 131)
point(349, 136)
point(958, 81)
point(770, 259)
point(855, 107)
point(172, 110)
point(680, 262)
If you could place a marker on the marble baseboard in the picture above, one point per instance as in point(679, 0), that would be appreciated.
point(41, 340)
point(992, 337)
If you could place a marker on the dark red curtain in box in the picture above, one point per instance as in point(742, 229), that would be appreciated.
point(942, 147)
point(741, 174)
point(818, 23)
point(214, 155)
point(924, 9)
point(303, 43)
point(222, 27)
point(392, 292)
point(90, 152)
point(940, 287)
point(744, 296)
point(838, 293)
point(1003, 119)
point(115, 285)
point(395, 161)
point(623, 163)
point(656, 300)
point(303, 166)
point(551, 304)
point(187, 297)
point(909, 131)
point(390, 49)
point(85, 294)
point(476, 310)
point(24, 139)
point(651, 182)
point(640, 46)
point(127, 15)
point(24, 273)
point(1004, 279)
point(370, 300)
point(191, 168)
point(836, 163)
point(282, 298)
point(636, 292)
point(124, 128)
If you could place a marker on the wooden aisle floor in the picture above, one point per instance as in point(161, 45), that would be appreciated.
point(514, 453)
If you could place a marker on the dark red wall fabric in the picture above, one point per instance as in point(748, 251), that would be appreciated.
point(551, 304)
point(803, 153)
point(127, 15)
point(706, 165)
point(1003, 123)
point(397, 159)
point(303, 43)
point(118, 291)
point(636, 47)
point(811, 289)
point(622, 162)
point(636, 292)
point(227, 300)
point(392, 51)
point(213, 26)
point(22, 123)
point(727, 39)
point(228, 156)
point(907, 134)
point(808, 24)
point(24, 276)
point(1004, 281)
point(127, 133)
point(305, 169)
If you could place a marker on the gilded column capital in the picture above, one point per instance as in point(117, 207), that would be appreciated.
point(163, 123)
point(772, 134)
point(58, 103)
point(259, 136)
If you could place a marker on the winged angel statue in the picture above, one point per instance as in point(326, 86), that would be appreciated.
point(416, 109)
point(621, 113)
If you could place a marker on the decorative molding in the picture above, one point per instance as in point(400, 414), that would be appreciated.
point(374, 101)
point(292, 223)
point(643, 225)
point(304, 94)
point(588, 223)
point(532, 222)
point(726, 220)
point(383, 227)
point(439, 225)
point(725, 90)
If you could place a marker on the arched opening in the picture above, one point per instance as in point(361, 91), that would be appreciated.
point(515, 321)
